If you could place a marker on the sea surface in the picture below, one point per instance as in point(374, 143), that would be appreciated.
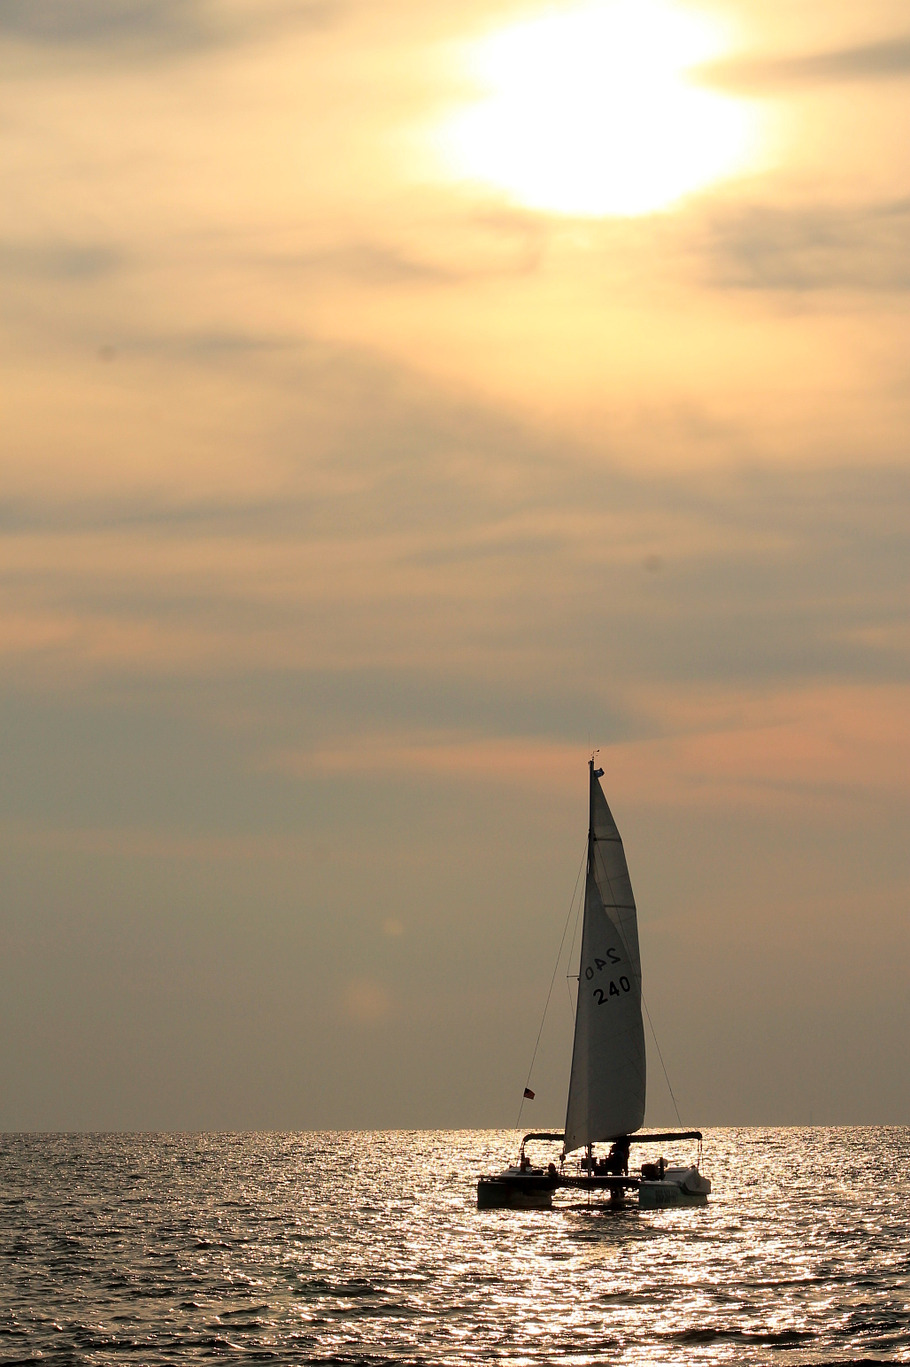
point(340, 1248)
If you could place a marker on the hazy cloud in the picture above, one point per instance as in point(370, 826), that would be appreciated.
point(508, 252)
point(882, 60)
point(369, 264)
point(168, 23)
point(58, 261)
point(150, 27)
point(866, 247)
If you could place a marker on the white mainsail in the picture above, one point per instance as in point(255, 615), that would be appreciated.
point(607, 1082)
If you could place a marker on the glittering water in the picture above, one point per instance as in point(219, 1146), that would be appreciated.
point(368, 1248)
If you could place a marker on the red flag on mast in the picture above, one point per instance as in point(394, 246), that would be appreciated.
point(529, 1095)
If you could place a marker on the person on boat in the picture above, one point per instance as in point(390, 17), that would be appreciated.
point(618, 1158)
point(525, 1164)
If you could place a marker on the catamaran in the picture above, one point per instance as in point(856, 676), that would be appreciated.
point(606, 1102)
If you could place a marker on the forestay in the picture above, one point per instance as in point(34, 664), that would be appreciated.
point(607, 1083)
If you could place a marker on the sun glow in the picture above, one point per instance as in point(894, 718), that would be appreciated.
point(588, 111)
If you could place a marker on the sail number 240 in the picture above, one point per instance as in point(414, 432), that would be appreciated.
point(617, 987)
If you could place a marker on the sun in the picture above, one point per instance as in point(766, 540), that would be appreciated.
point(590, 110)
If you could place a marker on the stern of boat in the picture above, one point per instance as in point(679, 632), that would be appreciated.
point(677, 1187)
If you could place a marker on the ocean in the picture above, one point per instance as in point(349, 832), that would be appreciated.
point(367, 1248)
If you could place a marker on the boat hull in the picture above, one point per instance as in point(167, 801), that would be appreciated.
point(515, 1193)
point(658, 1187)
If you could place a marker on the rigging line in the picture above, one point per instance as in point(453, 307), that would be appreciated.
point(661, 1057)
point(578, 916)
point(574, 978)
point(552, 981)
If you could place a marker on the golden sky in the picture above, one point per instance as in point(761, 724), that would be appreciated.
point(400, 400)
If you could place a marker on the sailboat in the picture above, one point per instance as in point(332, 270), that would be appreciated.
point(606, 1101)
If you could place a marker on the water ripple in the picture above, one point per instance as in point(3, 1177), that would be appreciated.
point(367, 1250)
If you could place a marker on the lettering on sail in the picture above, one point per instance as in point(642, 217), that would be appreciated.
point(617, 987)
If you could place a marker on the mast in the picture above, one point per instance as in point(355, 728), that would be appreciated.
point(591, 779)
point(589, 873)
